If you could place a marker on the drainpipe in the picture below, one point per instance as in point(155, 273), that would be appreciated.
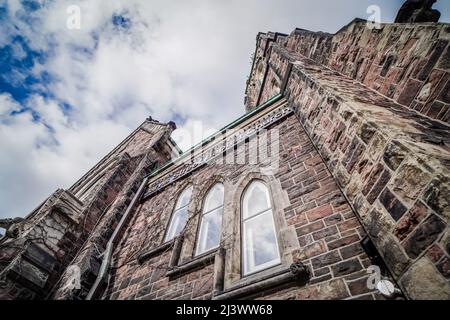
point(110, 246)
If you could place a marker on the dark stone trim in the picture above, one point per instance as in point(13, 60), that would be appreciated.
point(197, 262)
point(155, 251)
point(245, 288)
point(263, 83)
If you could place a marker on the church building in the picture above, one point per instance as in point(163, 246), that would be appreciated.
point(335, 177)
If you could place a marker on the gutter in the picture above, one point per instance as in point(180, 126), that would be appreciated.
point(107, 255)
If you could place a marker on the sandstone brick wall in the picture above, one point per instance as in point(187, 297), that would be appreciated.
point(327, 230)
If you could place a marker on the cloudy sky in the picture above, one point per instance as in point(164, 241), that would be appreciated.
point(67, 96)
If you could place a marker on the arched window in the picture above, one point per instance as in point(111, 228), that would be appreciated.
point(180, 215)
point(211, 220)
point(259, 240)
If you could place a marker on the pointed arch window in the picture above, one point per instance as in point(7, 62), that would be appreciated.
point(259, 240)
point(180, 215)
point(211, 220)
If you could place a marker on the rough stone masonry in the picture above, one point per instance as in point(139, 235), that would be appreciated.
point(362, 119)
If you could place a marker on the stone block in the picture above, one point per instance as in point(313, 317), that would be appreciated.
point(423, 282)
point(358, 286)
point(409, 92)
point(424, 235)
point(437, 196)
point(346, 267)
point(378, 186)
point(325, 232)
point(343, 242)
point(351, 250)
point(310, 228)
point(334, 289)
point(319, 213)
point(392, 205)
point(313, 250)
point(410, 220)
point(326, 259)
point(444, 267)
point(410, 181)
point(394, 256)
point(394, 154)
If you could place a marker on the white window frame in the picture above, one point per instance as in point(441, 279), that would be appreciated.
point(178, 207)
point(269, 264)
point(204, 213)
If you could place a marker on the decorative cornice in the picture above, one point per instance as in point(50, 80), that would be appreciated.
point(201, 157)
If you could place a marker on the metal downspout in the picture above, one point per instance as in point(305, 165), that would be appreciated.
point(110, 246)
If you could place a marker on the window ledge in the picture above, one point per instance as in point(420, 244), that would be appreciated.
point(273, 277)
point(155, 251)
point(190, 265)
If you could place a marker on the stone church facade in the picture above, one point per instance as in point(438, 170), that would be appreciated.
point(340, 163)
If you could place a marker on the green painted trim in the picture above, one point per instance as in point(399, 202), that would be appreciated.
point(211, 137)
point(176, 146)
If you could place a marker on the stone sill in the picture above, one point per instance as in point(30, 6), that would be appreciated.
point(155, 251)
point(192, 264)
point(249, 285)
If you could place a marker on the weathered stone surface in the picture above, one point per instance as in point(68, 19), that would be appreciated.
point(394, 256)
point(366, 132)
point(422, 282)
point(444, 267)
point(445, 241)
point(395, 208)
point(343, 241)
point(424, 235)
point(319, 212)
point(313, 250)
point(351, 250)
point(410, 181)
point(394, 154)
point(325, 233)
point(410, 91)
point(318, 225)
point(326, 259)
point(377, 225)
point(379, 186)
point(346, 267)
point(358, 286)
point(30, 272)
point(410, 220)
point(334, 289)
point(435, 253)
point(437, 196)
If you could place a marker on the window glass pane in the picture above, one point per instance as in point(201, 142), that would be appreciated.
point(256, 199)
point(184, 198)
point(214, 199)
point(260, 244)
point(179, 219)
point(209, 236)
